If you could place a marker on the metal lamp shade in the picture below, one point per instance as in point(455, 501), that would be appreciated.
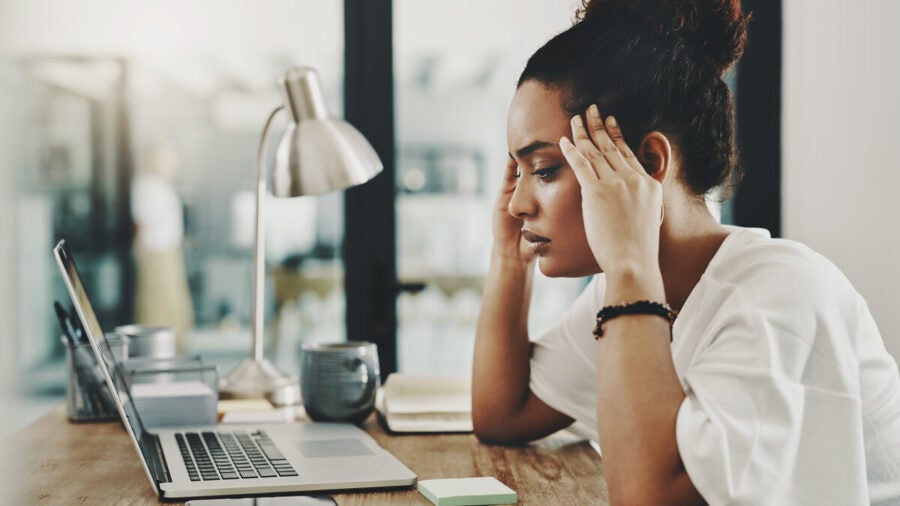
point(322, 155)
point(317, 153)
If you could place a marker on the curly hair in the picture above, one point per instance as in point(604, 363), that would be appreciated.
point(657, 65)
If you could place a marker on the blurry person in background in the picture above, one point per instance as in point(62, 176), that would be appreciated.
point(163, 297)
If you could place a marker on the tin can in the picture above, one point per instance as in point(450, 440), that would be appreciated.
point(148, 341)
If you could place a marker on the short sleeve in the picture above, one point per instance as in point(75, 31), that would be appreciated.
point(563, 368)
point(761, 422)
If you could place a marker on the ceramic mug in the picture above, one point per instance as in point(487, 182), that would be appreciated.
point(339, 380)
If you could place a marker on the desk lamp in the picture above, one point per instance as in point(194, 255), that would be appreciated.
point(317, 154)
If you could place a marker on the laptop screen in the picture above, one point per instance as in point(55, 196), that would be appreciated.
point(114, 375)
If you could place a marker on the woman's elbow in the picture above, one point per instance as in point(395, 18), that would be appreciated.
point(486, 432)
point(493, 430)
point(637, 492)
point(488, 437)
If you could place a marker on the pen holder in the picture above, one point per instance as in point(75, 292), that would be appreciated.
point(87, 396)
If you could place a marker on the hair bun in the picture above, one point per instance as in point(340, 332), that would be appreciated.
point(717, 29)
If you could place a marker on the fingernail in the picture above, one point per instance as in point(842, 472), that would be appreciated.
point(611, 121)
point(564, 141)
point(594, 110)
point(576, 120)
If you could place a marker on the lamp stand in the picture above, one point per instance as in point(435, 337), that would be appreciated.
point(256, 377)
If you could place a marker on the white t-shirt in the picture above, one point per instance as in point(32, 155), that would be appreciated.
point(791, 397)
point(156, 210)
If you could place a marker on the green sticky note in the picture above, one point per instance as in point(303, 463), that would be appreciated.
point(467, 491)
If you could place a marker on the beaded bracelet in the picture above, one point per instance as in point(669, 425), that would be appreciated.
point(639, 307)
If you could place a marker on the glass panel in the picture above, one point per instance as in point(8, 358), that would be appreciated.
point(164, 135)
point(721, 200)
point(455, 73)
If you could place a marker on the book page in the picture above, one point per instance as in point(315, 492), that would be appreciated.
point(427, 403)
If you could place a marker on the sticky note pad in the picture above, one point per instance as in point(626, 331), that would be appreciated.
point(467, 491)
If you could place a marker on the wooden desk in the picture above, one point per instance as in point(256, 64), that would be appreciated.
point(53, 461)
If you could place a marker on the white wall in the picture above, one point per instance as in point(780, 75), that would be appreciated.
point(841, 134)
point(8, 330)
point(7, 247)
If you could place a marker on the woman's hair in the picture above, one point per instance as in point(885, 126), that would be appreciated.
point(656, 65)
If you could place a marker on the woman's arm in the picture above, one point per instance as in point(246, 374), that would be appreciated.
point(638, 397)
point(503, 408)
point(638, 392)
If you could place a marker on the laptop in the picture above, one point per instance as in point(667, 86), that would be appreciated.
point(231, 460)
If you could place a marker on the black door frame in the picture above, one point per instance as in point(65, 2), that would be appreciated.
point(369, 230)
point(757, 201)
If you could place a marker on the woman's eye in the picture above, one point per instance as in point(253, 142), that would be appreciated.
point(546, 173)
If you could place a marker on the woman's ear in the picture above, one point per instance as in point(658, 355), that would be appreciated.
point(655, 154)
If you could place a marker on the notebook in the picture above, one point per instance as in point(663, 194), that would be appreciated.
point(417, 403)
point(237, 459)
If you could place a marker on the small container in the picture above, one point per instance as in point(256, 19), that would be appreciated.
point(148, 341)
point(173, 392)
point(171, 370)
point(87, 395)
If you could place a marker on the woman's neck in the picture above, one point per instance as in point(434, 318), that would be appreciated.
point(689, 239)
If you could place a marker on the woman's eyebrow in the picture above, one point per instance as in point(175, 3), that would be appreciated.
point(531, 148)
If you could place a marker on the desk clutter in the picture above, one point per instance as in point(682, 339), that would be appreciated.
point(173, 392)
point(420, 403)
point(256, 411)
point(167, 390)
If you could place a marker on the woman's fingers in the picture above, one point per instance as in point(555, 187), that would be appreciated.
point(581, 166)
point(512, 168)
point(615, 133)
point(504, 193)
point(602, 138)
point(510, 175)
point(588, 149)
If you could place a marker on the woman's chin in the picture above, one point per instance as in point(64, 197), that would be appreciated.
point(555, 269)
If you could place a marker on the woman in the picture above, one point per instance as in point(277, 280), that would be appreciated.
point(772, 385)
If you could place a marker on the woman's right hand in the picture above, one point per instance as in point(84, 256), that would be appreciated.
point(509, 246)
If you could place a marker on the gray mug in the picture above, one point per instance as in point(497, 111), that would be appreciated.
point(339, 380)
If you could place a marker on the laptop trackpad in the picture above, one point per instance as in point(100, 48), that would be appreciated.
point(333, 448)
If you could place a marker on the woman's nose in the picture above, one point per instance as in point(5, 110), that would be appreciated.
point(522, 203)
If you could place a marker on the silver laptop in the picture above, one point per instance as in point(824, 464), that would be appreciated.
point(227, 460)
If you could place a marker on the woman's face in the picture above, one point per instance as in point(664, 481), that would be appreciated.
point(547, 197)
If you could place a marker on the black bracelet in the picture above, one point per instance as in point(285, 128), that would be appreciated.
point(640, 307)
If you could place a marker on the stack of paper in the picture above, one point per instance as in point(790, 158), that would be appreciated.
point(467, 491)
point(175, 404)
point(414, 403)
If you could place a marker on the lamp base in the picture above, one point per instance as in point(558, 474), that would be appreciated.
point(255, 379)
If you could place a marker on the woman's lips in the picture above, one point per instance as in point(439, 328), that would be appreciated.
point(537, 244)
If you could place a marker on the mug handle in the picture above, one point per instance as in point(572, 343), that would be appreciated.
point(371, 385)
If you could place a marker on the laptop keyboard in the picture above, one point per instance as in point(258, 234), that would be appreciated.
point(231, 455)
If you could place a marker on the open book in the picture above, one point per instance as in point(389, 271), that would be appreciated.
point(413, 403)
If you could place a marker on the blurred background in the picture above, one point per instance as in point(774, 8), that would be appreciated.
point(128, 127)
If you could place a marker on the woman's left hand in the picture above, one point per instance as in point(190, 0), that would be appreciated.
point(621, 204)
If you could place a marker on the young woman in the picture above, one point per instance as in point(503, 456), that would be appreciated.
point(772, 385)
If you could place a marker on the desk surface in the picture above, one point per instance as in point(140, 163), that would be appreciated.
point(53, 461)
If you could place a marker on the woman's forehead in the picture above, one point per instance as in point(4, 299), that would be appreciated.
point(536, 115)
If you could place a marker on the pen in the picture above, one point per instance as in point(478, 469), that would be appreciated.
point(79, 334)
point(67, 329)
